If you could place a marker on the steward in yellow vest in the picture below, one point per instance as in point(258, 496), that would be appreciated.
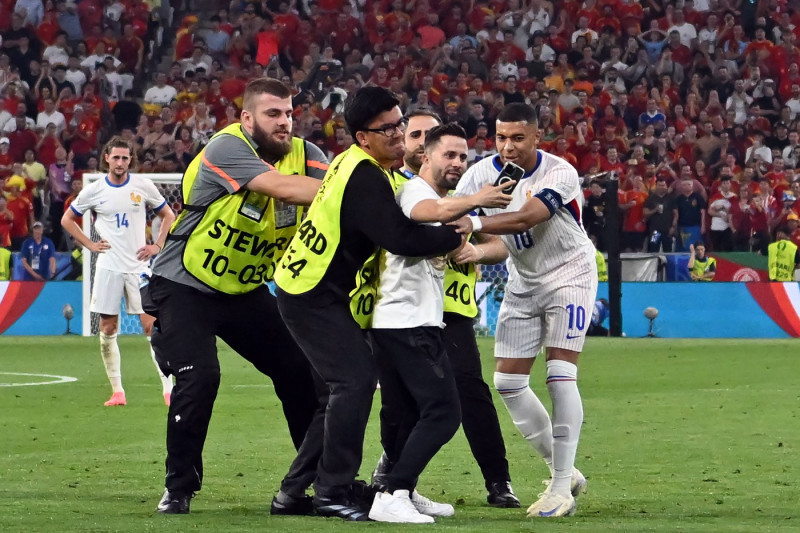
point(602, 267)
point(353, 216)
point(5, 264)
point(782, 257)
point(208, 281)
point(701, 267)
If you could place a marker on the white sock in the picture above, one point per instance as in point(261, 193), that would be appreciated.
point(111, 358)
point(527, 412)
point(166, 382)
point(562, 382)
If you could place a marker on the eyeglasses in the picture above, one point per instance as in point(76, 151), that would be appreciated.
point(390, 129)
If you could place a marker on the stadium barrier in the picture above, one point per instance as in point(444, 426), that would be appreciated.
point(685, 310)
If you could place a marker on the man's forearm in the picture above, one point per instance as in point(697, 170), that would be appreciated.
point(444, 209)
point(71, 226)
point(532, 213)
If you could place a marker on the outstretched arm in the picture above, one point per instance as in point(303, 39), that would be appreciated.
point(533, 212)
point(450, 208)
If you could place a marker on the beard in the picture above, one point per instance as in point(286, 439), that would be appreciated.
point(413, 161)
point(445, 180)
point(269, 148)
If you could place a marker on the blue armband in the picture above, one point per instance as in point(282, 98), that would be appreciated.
point(551, 199)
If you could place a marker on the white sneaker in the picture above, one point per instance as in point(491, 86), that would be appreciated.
point(577, 485)
point(429, 507)
point(551, 505)
point(396, 508)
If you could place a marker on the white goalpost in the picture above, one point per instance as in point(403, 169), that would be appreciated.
point(170, 187)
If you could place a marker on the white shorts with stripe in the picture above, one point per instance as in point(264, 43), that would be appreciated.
point(553, 316)
point(108, 289)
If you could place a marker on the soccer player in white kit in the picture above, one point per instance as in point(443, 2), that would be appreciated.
point(120, 202)
point(548, 302)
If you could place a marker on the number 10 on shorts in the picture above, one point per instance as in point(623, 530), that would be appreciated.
point(577, 318)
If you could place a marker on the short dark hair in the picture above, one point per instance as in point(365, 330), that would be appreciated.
point(518, 112)
point(424, 113)
point(437, 132)
point(366, 104)
point(264, 85)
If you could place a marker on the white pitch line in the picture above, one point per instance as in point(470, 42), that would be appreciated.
point(58, 379)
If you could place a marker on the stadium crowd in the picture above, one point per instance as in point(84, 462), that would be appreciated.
point(693, 105)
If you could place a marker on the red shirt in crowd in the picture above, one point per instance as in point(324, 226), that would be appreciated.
point(23, 210)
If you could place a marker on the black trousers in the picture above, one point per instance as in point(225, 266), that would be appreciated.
point(418, 388)
point(188, 322)
point(478, 414)
point(337, 349)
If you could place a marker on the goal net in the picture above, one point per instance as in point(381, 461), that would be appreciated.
point(170, 187)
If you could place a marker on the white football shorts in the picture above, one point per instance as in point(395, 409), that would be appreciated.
point(108, 289)
point(555, 316)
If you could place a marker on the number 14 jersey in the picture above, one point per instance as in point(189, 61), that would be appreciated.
point(121, 218)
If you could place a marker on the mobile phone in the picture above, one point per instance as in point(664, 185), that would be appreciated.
point(510, 172)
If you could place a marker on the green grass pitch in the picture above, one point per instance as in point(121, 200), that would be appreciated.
point(679, 435)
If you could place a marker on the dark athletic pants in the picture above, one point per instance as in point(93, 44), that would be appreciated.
point(188, 322)
point(337, 349)
point(417, 387)
point(478, 413)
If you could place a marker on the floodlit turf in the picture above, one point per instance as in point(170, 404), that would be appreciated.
point(688, 435)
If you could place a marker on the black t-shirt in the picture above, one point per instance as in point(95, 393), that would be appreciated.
point(594, 215)
point(661, 220)
point(127, 114)
point(370, 216)
point(689, 209)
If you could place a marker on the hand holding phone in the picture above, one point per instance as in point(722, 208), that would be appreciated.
point(511, 174)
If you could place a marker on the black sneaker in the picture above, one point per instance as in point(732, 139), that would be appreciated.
point(175, 502)
point(362, 494)
point(501, 495)
point(284, 504)
point(382, 469)
point(340, 508)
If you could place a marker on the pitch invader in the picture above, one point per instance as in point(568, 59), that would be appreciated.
point(548, 301)
point(120, 201)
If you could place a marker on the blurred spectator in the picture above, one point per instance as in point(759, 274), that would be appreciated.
point(719, 209)
point(6, 159)
point(69, 20)
point(31, 10)
point(77, 186)
point(127, 112)
point(75, 75)
point(633, 223)
point(131, 50)
point(38, 256)
point(6, 223)
point(160, 94)
point(47, 145)
point(659, 212)
point(22, 211)
point(594, 214)
point(689, 219)
point(59, 186)
point(50, 115)
point(36, 174)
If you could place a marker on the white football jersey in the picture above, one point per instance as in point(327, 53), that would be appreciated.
point(121, 218)
point(554, 251)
